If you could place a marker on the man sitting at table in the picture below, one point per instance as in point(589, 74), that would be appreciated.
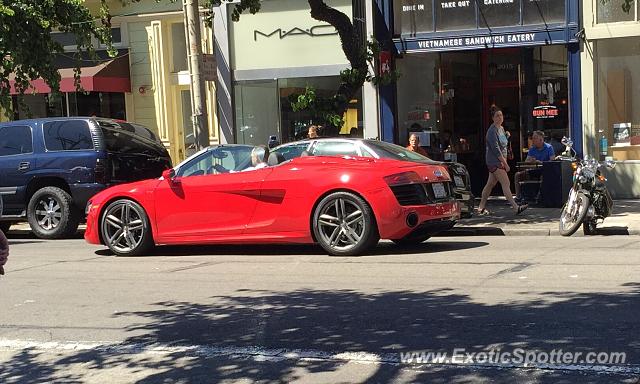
point(539, 152)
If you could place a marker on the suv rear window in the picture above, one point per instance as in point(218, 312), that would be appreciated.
point(121, 137)
point(69, 135)
point(15, 140)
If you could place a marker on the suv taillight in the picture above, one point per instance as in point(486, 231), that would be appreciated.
point(101, 171)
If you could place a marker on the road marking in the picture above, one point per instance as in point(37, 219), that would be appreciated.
point(280, 354)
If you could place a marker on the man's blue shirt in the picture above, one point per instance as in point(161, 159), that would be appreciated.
point(544, 154)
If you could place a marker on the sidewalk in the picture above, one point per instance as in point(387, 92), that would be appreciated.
point(536, 221)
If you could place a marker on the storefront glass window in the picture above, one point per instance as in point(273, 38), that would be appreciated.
point(413, 16)
point(499, 14)
point(611, 12)
point(454, 15)
point(295, 124)
point(40, 105)
point(546, 96)
point(618, 96)
point(101, 104)
point(544, 11)
point(418, 101)
point(256, 111)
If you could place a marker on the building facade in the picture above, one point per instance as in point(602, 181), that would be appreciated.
point(457, 59)
point(147, 82)
point(266, 59)
point(611, 90)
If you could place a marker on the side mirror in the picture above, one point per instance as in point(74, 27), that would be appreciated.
point(169, 175)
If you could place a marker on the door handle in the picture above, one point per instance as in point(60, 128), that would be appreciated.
point(24, 165)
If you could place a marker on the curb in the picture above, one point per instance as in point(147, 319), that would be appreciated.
point(496, 231)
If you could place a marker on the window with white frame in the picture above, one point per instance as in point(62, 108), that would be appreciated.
point(69, 42)
point(611, 12)
point(178, 48)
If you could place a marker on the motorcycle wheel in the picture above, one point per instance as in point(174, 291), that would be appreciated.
point(572, 215)
point(589, 228)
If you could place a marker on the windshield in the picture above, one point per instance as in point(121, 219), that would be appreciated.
point(386, 150)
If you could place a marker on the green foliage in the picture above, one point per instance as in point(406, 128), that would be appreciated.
point(253, 6)
point(320, 108)
point(27, 50)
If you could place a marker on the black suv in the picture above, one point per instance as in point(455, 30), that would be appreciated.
point(49, 168)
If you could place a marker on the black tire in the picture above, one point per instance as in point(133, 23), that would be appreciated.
point(589, 228)
point(411, 240)
point(125, 229)
point(4, 226)
point(571, 217)
point(51, 214)
point(339, 236)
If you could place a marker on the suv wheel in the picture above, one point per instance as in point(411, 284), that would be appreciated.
point(51, 214)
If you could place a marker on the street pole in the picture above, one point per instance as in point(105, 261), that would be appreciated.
point(198, 90)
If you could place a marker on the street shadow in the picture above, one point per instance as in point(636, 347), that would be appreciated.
point(335, 321)
point(382, 249)
point(20, 242)
point(23, 234)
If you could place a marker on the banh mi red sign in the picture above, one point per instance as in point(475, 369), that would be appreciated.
point(545, 112)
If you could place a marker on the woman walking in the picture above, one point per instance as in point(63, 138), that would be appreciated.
point(496, 160)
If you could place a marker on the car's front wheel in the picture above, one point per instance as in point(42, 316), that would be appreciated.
point(51, 214)
point(125, 228)
point(344, 224)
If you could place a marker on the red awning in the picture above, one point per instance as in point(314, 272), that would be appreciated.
point(109, 76)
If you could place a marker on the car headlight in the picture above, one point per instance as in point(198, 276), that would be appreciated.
point(87, 208)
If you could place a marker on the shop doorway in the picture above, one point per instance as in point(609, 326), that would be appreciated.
point(501, 86)
point(446, 98)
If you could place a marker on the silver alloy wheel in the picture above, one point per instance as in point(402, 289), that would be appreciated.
point(341, 224)
point(48, 213)
point(123, 227)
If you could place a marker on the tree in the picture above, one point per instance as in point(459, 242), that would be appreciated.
point(360, 53)
point(27, 49)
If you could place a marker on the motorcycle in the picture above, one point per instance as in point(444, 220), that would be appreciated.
point(589, 201)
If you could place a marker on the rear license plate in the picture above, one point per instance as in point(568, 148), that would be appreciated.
point(438, 190)
point(459, 182)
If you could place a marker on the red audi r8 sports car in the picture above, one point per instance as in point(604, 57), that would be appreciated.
point(346, 204)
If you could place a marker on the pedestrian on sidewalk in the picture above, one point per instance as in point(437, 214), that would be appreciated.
point(496, 160)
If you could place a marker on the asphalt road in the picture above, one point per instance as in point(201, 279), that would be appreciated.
point(71, 312)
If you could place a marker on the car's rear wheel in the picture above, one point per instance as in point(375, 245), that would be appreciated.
point(344, 224)
point(51, 214)
point(125, 228)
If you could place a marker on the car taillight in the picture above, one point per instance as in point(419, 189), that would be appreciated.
point(403, 178)
point(101, 171)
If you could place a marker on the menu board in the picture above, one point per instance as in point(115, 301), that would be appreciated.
point(454, 15)
point(417, 16)
point(499, 13)
point(413, 16)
